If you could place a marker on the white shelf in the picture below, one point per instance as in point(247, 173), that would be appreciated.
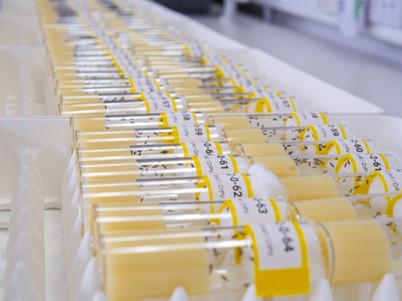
point(387, 34)
point(310, 10)
point(301, 9)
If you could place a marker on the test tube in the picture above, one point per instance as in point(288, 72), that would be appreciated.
point(116, 216)
point(330, 185)
point(185, 133)
point(195, 97)
point(394, 206)
point(257, 183)
point(317, 132)
point(226, 120)
point(383, 181)
point(116, 104)
point(126, 87)
point(153, 151)
point(332, 147)
point(89, 74)
point(281, 166)
point(168, 135)
point(217, 186)
point(188, 149)
point(213, 261)
point(139, 121)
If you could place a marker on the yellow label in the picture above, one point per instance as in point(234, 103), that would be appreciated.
point(164, 120)
point(272, 101)
point(292, 103)
point(178, 118)
point(391, 204)
point(254, 210)
point(229, 186)
point(197, 148)
point(116, 64)
point(359, 146)
point(323, 132)
point(206, 165)
point(176, 135)
point(133, 89)
point(158, 87)
point(187, 50)
point(185, 149)
point(204, 184)
point(390, 181)
point(249, 187)
point(280, 259)
point(146, 103)
point(158, 103)
point(308, 118)
point(185, 133)
point(197, 164)
point(218, 147)
point(219, 72)
point(344, 162)
point(366, 145)
point(263, 105)
point(362, 163)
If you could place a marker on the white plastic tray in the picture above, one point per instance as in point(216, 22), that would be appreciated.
point(35, 153)
point(41, 146)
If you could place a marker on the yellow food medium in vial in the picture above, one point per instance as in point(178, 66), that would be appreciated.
point(213, 108)
point(260, 149)
point(101, 138)
point(72, 75)
point(57, 46)
point(310, 187)
point(105, 152)
point(361, 251)
point(49, 16)
point(82, 102)
point(193, 86)
point(122, 218)
point(280, 166)
point(231, 122)
point(111, 171)
point(206, 107)
point(165, 64)
point(188, 82)
point(185, 90)
point(156, 272)
point(209, 109)
point(326, 210)
point(62, 55)
point(200, 98)
point(83, 109)
point(78, 82)
point(116, 140)
point(180, 72)
point(73, 92)
point(90, 202)
point(244, 135)
point(110, 187)
point(89, 124)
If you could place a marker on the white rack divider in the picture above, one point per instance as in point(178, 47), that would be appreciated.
point(20, 31)
point(25, 248)
point(37, 150)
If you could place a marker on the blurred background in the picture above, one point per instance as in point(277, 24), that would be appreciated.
point(355, 45)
